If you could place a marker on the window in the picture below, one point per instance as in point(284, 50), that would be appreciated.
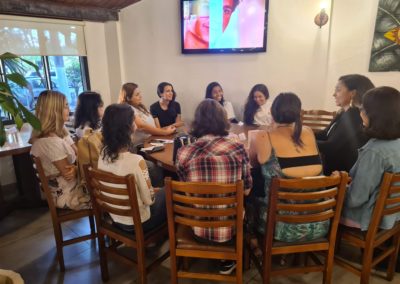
point(66, 74)
point(56, 46)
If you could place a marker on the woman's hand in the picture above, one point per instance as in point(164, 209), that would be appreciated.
point(169, 129)
point(70, 172)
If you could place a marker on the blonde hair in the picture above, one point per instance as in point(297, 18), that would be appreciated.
point(49, 110)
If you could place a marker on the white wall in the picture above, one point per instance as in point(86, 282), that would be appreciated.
point(296, 55)
point(103, 59)
point(353, 25)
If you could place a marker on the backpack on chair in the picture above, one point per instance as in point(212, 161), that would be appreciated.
point(89, 148)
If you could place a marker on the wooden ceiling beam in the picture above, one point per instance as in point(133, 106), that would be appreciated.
point(46, 9)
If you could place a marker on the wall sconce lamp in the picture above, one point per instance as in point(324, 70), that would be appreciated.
point(322, 17)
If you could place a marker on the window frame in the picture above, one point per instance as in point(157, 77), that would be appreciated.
point(84, 70)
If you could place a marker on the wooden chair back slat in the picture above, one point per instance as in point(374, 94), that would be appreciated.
point(112, 200)
point(98, 181)
point(383, 207)
point(394, 189)
point(326, 204)
point(317, 217)
point(180, 198)
point(109, 189)
point(201, 188)
point(104, 207)
point(303, 200)
point(387, 203)
point(201, 204)
point(203, 223)
point(328, 193)
point(204, 212)
point(393, 200)
point(390, 211)
point(317, 119)
point(109, 193)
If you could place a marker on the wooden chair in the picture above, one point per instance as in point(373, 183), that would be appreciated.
point(183, 215)
point(386, 242)
point(324, 196)
point(101, 184)
point(317, 119)
point(59, 216)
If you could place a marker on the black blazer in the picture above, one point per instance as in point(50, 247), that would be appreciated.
point(339, 147)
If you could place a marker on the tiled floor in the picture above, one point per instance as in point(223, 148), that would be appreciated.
point(27, 246)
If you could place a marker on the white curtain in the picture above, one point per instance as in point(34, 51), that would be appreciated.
point(36, 36)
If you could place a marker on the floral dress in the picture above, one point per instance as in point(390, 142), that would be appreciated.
point(67, 194)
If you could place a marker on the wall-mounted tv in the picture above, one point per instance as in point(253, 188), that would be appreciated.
point(224, 26)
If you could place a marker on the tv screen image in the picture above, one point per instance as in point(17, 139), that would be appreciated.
point(218, 26)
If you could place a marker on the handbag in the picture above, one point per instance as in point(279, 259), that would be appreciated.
point(181, 140)
point(258, 189)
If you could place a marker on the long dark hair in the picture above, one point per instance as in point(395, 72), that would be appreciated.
point(382, 105)
point(117, 130)
point(87, 110)
point(251, 106)
point(286, 108)
point(359, 83)
point(209, 89)
point(210, 118)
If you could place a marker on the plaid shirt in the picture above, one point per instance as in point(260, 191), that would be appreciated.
point(214, 159)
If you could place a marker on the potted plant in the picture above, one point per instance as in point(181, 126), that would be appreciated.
point(8, 100)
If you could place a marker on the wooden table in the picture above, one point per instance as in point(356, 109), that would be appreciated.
point(164, 158)
point(18, 147)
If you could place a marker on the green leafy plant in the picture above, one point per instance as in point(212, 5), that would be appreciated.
point(15, 66)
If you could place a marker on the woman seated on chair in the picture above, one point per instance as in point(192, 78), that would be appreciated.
point(288, 151)
point(118, 128)
point(213, 158)
point(53, 146)
point(146, 126)
point(381, 118)
point(166, 112)
point(340, 141)
point(257, 110)
point(214, 91)
point(88, 113)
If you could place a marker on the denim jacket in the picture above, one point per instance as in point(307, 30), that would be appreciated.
point(374, 158)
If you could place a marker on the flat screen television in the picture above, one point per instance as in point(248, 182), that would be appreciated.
point(224, 26)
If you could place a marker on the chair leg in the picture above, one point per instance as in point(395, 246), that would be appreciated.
point(103, 258)
point(267, 267)
point(92, 227)
point(366, 265)
point(329, 266)
point(141, 265)
point(174, 268)
point(59, 239)
point(239, 270)
point(393, 258)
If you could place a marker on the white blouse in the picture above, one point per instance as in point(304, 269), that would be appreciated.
point(229, 110)
point(263, 115)
point(141, 135)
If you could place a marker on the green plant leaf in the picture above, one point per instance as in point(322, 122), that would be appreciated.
point(18, 79)
point(18, 121)
point(30, 117)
